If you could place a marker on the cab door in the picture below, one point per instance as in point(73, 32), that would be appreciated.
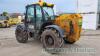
point(39, 17)
point(30, 18)
point(34, 17)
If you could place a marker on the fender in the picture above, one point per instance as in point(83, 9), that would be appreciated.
point(61, 32)
point(22, 27)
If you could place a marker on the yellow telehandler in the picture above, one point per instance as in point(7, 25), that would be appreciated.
point(53, 31)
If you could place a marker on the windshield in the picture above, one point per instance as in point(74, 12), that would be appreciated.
point(48, 12)
point(3, 18)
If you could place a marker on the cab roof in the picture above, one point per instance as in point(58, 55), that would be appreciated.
point(43, 4)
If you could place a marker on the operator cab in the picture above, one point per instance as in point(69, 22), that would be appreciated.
point(38, 16)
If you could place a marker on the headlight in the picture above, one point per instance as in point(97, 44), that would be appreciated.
point(31, 26)
point(80, 22)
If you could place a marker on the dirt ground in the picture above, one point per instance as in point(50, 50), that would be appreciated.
point(88, 45)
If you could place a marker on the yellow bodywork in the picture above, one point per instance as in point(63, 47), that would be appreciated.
point(14, 21)
point(64, 22)
point(43, 4)
point(5, 23)
point(9, 22)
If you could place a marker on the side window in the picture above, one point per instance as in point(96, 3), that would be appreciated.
point(38, 13)
point(46, 15)
point(30, 14)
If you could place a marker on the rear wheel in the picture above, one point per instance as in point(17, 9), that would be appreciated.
point(51, 41)
point(21, 36)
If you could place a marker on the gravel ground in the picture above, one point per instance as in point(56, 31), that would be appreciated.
point(88, 45)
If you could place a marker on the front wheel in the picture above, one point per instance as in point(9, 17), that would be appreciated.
point(21, 36)
point(51, 41)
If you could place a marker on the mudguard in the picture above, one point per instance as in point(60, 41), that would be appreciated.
point(22, 27)
point(61, 31)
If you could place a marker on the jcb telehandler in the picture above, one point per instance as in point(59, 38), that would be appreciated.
point(41, 23)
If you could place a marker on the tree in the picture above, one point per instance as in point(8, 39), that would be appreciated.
point(5, 13)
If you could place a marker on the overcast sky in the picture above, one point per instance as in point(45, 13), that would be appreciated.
point(19, 5)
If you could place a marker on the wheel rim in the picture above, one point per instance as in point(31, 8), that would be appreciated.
point(49, 40)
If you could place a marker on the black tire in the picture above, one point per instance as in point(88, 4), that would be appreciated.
point(68, 42)
point(56, 42)
point(71, 42)
point(21, 36)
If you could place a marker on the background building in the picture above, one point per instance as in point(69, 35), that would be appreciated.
point(91, 19)
point(89, 8)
